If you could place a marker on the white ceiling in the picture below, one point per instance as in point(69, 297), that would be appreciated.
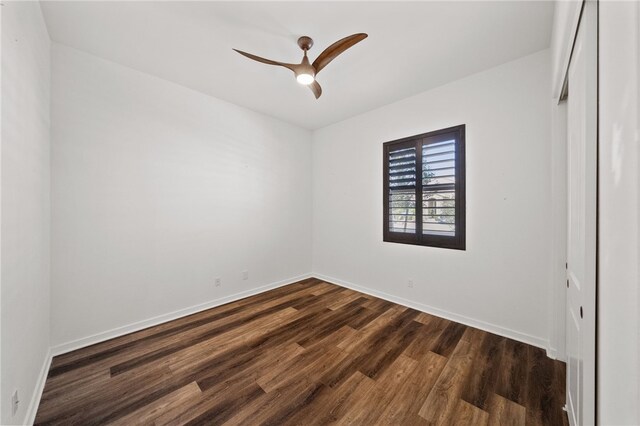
point(412, 47)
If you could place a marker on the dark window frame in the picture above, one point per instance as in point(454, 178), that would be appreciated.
point(457, 242)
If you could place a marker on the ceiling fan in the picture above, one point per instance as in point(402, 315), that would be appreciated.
point(306, 72)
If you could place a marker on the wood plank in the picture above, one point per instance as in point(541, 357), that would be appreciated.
point(368, 347)
point(57, 395)
point(466, 414)
point(503, 412)
point(558, 389)
point(376, 304)
point(310, 353)
point(396, 343)
point(427, 339)
point(148, 413)
point(484, 369)
point(227, 405)
point(310, 363)
point(445, 394)
point(221, 393)
point(297, 398)
point(347, 296)
point(338, 319)
point(424, 318)
point(543, 407)
point(332, 406)
point(449, 339)
point(354, 342)
point(141, 387)
point(513, 376)
point(382, 393)
point(94, 353)
point(406, 404)
point(178, 344)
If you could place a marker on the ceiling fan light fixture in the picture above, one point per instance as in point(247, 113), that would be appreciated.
point(305, 71)
point(305, 79)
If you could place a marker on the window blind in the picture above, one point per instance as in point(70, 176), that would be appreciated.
point(424, 189)
point(402, 168)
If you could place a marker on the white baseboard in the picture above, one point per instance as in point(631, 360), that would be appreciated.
point(491, 328)
point(140, 325)
point(554, 353)
point(32, 410)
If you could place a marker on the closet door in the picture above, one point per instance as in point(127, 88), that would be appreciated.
point(581, 244)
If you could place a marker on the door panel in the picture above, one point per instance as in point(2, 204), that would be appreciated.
point(581, 238)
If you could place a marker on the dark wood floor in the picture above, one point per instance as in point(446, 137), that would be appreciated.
point(305, 354)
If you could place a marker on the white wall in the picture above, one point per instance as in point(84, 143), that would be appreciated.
point(25, 206)
point(157, 190)
point(619, 200)
point(502, 281)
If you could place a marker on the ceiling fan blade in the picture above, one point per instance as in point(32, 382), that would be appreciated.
point(292, 67)
point(316, 89)
point(331, 52)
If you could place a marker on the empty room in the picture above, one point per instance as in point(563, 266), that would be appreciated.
point(320, 212)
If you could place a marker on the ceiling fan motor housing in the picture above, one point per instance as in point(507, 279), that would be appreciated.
point(305, 42)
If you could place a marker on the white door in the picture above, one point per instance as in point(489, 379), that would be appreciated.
point(581, 245)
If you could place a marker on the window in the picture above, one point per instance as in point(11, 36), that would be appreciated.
point(424, 199)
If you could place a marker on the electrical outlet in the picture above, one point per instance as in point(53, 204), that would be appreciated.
point(410, 284)
point(15, 403)
point(218, 282)
point(245, 275)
